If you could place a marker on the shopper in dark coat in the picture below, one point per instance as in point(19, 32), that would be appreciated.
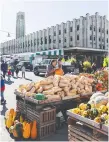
point(4, 68)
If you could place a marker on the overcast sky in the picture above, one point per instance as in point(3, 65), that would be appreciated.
point(43, 14)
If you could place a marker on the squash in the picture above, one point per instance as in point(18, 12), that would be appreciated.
point(11, 129)
point(85, 113)
point(21, 119)
point(9, 121)
point(34, 130)
point(97, 119)
point(96, 95)
point(76, 110)
point(26, 131)
point(100, 100)
point(18, 127)
point(93, 113)
point(59, 72)
point(103, 108)
point(11, 111)
point(14, 115)
point(15, 133)
point(83, 106)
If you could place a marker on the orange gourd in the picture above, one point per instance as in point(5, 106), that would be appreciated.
point(9, 121)
point(11, 111)
point(14, 115)
point(26, 131)
point(34, 130)
point(59, 72)
point(15, 133)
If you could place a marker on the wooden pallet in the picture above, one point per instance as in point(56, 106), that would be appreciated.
point(78, 131)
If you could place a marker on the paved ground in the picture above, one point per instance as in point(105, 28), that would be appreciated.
point(61, 135)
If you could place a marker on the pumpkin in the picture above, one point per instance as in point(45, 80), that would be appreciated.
point(34, 130)
point(19, 129)
point(59, 72)
point(26, 131)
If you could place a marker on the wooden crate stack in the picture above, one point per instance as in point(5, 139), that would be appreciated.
point(81, 132)
point(46, 119)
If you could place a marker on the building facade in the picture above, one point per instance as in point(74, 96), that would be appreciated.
point(86, 32)
point(20, 25)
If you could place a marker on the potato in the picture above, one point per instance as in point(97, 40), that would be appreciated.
point(40, 90)
point(56, 89)
point(47, 87)
point(48, 92)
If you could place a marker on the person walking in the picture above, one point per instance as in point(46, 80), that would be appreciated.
point(23, 71)
point(9, 75)
point(94, 68)
point(2, 89)
point(12, 70)
point(4, 68)
point(17, 71)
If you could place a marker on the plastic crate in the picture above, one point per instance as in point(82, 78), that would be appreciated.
point(43, 116)
point(46, 130)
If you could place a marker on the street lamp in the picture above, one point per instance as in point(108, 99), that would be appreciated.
point(7, 33)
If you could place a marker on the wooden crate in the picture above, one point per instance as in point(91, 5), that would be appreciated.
point(46, 130)
point(43, 116)
point(78, 131)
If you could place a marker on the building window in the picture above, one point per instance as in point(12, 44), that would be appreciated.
point(54, 33)
point(31, 43)
point(103, 47)
point(94, 28)
point(37, 41)
point(107, 40)
point(102, 30)
point(107, 32)
point(91, 27)
point(94, 38)
point(59, 40)
point(102, 40)
point(99, 30)
point(70, 29)
point(90, 37)
point(65, 40)
point(49, 39)
point(78, 28)
point(64, 30)
point(45, 40)
point(77, 37)
point(71, 39)
point(41, 41)
point(99, 39)
point(59, 32)
point(54, 41)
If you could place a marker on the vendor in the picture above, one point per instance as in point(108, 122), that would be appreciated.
point(59, 70)
point(51, 68)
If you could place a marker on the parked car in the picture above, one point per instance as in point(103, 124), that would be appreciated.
point(27, 64)
point(41, 67)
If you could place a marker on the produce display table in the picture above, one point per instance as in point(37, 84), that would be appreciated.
point(83, 129)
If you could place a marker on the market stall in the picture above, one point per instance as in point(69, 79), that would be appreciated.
point(89, 122)
point(39, 102)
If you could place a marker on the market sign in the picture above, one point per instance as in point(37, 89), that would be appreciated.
point(51, 52)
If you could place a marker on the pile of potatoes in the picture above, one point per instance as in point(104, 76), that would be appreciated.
point(59, 86)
